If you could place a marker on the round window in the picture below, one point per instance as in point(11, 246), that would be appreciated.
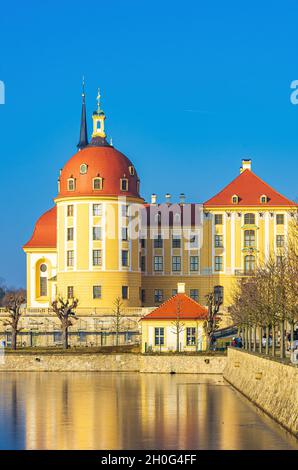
point(43, 268)
point(83, 169)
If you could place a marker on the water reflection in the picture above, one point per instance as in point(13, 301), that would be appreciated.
point(130, 411)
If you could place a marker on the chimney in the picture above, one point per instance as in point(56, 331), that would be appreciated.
point(153, 198)
point(168, 198)
point(246, 165)
point(182, 198)
point(181, 288)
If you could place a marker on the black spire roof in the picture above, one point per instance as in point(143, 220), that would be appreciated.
point(83, 131)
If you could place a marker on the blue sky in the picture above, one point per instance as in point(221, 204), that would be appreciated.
point(189, 89)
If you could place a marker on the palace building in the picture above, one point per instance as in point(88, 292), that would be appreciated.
point(102, 241)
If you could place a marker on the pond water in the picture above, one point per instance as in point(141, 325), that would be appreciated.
point(130, 411)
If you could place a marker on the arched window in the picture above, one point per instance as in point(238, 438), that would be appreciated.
point(43, 280)
point(235, 199)
point(71, 184)
point(218, 294)
point(249, 263)
point(124, 184)
point(249, 219)
point(249, 238)
point(97, 183)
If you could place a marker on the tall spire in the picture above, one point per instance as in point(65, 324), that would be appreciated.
point(83, 131)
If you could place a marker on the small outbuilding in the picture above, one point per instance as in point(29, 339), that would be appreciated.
point(176, 325)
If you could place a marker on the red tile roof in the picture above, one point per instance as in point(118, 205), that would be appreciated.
point(106, 162)
point(189, 309)
point(249, 188)
point(45, 232)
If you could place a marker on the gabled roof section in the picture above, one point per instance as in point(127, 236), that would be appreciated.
point(45, 231)
point(249, 188)
point(189, 309)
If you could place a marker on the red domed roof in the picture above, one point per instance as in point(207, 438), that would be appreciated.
point(45, 231)
point(102, 161)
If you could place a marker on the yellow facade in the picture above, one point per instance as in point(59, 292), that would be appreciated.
point(146, 286)
point(161, 336)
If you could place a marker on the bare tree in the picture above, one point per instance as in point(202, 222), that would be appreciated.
point(3, 290)
point(212, 322)
point(13, 301)
point(178, 326)
point(117, 317)
point(65, 311)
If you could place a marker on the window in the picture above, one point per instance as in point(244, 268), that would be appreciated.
point(263, 199)
point(176, 241)
point(143, 295)
point(97, 210)
point(124, 234)
point(43, 286)
point(159, 336)
point(96, 233)
point(190, 336)
point(218, 219)
point(96, 292)
point(235, 199)
point(70, 234)
point(124, 210)
point(279, 260)
point(143, 243)
point(158, 295)
point(83, 169)
point(158, 242)
point(218, 294)
point(158, 263)
point(97, 183)
point(194, 294)
point(71, 184)
point(82, 335)
point(218, 263)
point(176, 263)
point(249, 238)
point(124, 292)
point(70, 258)
point(194, 241)
point(138, 186)
point(280, 241)
point(143, 263)
point(70, 210)
point(70, 292)
point(218, 241)
point(125, 258)
point(124, 184)
point(280, 219)
point(97, 258)
point(249, 219)
point(174, 292)
point(131, 170)
point(194, 263)
point(249, 263)
point(57, 336)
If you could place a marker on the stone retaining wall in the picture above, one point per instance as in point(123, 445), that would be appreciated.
point(269, 384)
point(124, 362)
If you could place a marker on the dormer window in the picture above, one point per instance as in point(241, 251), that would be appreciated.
point(263, 199)
point(97, 183)
point(235, 199)
point(131, 170)
point(124, 184)
point(83, 169)
point(71, 184)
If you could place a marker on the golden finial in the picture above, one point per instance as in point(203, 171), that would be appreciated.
point(98, 100)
